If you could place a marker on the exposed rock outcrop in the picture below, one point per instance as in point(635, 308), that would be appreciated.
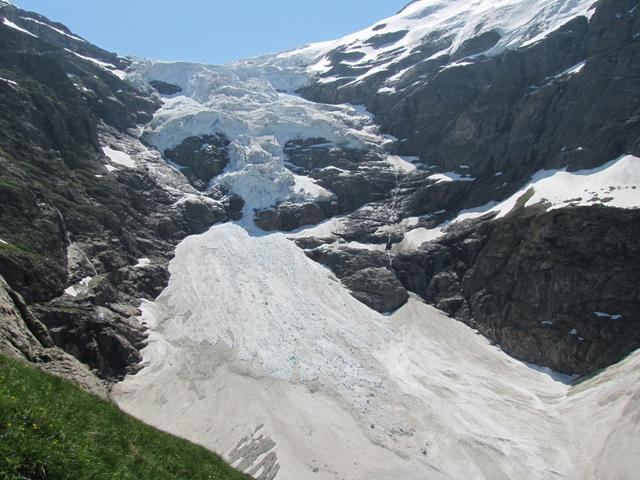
point(557, 288)
point(23, 337)
point(201, 158)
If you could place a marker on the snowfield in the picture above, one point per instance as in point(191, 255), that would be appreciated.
point(253, 344)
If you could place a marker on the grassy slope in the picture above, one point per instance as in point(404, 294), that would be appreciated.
point(50, 429)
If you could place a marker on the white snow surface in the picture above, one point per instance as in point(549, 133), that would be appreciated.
point(245, 104)
point(10, 24)
point(614, 184)
point(519, 22)
point(251, 335)
point(119, 158)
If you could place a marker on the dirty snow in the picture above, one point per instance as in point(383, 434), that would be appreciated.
point(416, 237)
point(343, 391)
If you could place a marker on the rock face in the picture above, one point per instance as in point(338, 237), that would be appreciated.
point(23, 337)
point(532, 282)
point(355, 177)
point(201, 158)
point(366, 273)
point(289, 216)
point(89, 216)
point(165, 88)
point(555, 288)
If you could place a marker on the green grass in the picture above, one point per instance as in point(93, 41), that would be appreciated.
point(52, 430)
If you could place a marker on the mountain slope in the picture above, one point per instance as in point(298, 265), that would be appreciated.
point(475, 125)
point(494, 181)
point(52, 429)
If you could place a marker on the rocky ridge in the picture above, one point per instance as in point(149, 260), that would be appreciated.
point(89, 215)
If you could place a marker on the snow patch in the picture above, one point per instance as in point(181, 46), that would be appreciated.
point(10, 24)
point(142, 263)
point(614, 184)
point(100, 63)
point(10, 82)
point(61, 32)
point(119, 158)
point(402, 164)
point(416, 237)
point(616, 316)
point(451, 177)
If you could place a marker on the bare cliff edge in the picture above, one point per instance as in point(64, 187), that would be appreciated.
point(92, 210)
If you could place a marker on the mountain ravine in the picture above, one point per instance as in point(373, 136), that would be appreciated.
point(411, 252)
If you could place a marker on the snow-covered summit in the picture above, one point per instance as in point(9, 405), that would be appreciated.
point(443, 24)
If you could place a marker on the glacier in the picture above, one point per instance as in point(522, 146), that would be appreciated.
point(259, 353)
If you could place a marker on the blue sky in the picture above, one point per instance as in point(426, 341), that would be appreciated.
point(211, 31)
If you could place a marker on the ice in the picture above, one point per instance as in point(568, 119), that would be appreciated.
point(246, 106)
point(119, 158)
point(10, 24)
